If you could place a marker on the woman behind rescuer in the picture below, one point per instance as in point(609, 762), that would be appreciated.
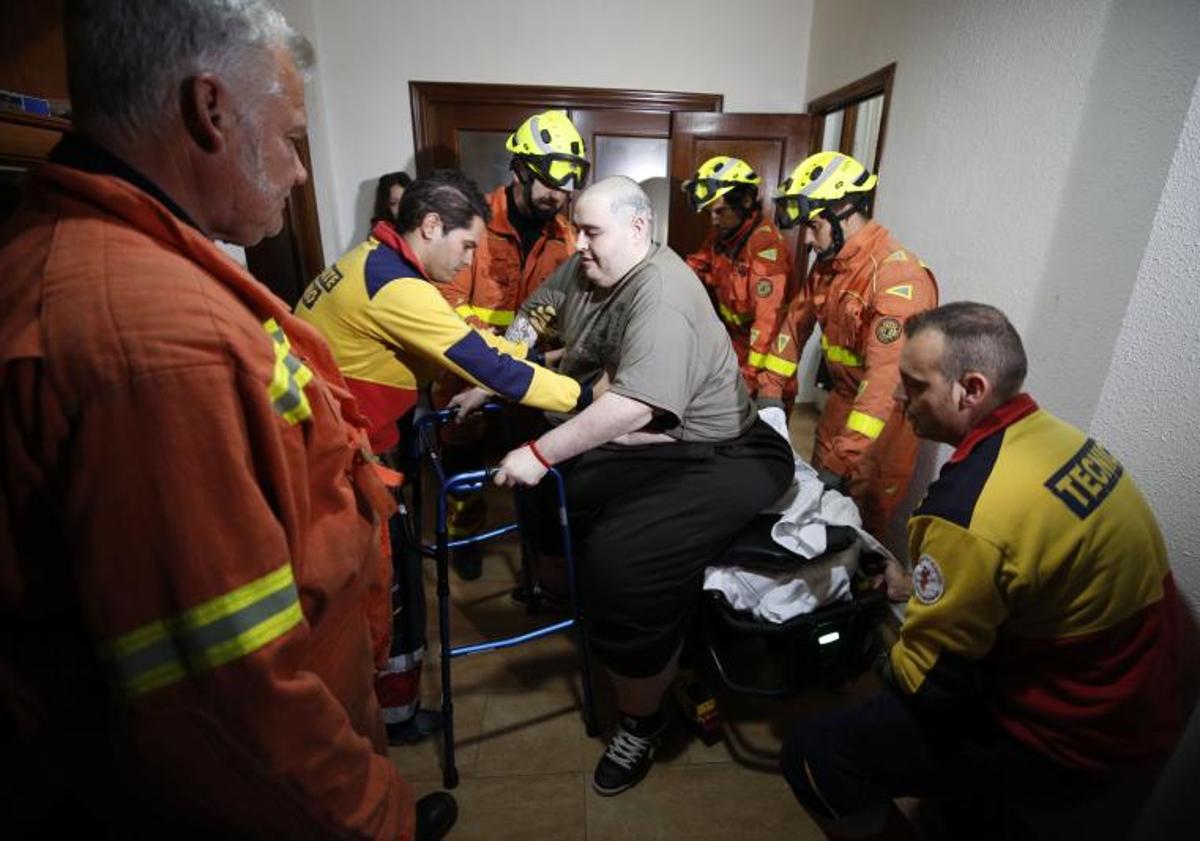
point(389, 190)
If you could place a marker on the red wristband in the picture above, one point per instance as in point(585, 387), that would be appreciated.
point(532, 445)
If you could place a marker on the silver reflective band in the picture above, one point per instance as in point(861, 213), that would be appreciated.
point(825, 175)
point(537, 136)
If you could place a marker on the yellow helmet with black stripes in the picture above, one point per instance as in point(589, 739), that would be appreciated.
point(552, 148)
point(716, 177)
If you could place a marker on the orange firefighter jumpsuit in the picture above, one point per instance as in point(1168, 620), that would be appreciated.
point(188, 535)
point(861, 298)
point(488, 292)
point(748, 276)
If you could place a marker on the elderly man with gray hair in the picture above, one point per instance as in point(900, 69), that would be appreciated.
point(189, 516)
point(662, 468)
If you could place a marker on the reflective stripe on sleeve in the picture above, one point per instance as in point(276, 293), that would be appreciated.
point(864, 424)
point(209, 635)
point(780, 366)
point(840, 355)
point(731, 317)
point(290, 376)
point(496, 318)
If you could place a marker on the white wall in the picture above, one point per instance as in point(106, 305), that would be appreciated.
point(368, 51)
point(1150, 403)
point(1027, 149)
point(301, 15)
point(1027, 145)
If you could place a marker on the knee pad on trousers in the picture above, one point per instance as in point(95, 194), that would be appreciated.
point(807, 760)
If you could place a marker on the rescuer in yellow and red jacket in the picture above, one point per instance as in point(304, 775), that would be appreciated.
point(745, 264)
point(860, 290)
point(392, 333)
point(1041, 655)
point(527, 238)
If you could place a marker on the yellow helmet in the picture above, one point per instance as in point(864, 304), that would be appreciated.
point(819, 182)
point(550, 145)
point(716, 177)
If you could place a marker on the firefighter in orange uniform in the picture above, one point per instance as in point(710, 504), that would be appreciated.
point(745, 263)
point(860, 290)
point(189, 515)
point(528, 237)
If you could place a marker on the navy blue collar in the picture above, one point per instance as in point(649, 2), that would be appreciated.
point(79, 152)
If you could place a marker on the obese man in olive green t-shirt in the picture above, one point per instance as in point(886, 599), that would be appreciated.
point(664, 467)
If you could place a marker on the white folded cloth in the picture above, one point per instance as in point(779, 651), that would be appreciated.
point(805, 510)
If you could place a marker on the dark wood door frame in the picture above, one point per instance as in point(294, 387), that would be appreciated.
point(436, 109)
point(286, 262)
point(848, 97)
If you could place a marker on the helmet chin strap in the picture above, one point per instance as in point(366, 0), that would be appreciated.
point(836, 234)
point(526, 179)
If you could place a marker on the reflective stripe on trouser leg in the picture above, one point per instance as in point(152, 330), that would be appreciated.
point(398, 686)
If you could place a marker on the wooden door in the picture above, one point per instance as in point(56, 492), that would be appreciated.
point(773, 144)
point(635, 144)
point(626, 131)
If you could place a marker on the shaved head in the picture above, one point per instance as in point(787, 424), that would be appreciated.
point(616, 224)
point(623, 197)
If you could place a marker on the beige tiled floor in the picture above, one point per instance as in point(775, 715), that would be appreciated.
point(525, 760)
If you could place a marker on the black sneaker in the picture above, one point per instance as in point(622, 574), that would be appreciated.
point(421, 726)
point(626, 760)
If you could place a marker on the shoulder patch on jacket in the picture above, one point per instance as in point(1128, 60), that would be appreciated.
point(952, 497)
point(898, 256)
point(769, 254)
point(887, 330)
point(904, 290)
point(1086, 479)
point(928, 581)
point(326, 281)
